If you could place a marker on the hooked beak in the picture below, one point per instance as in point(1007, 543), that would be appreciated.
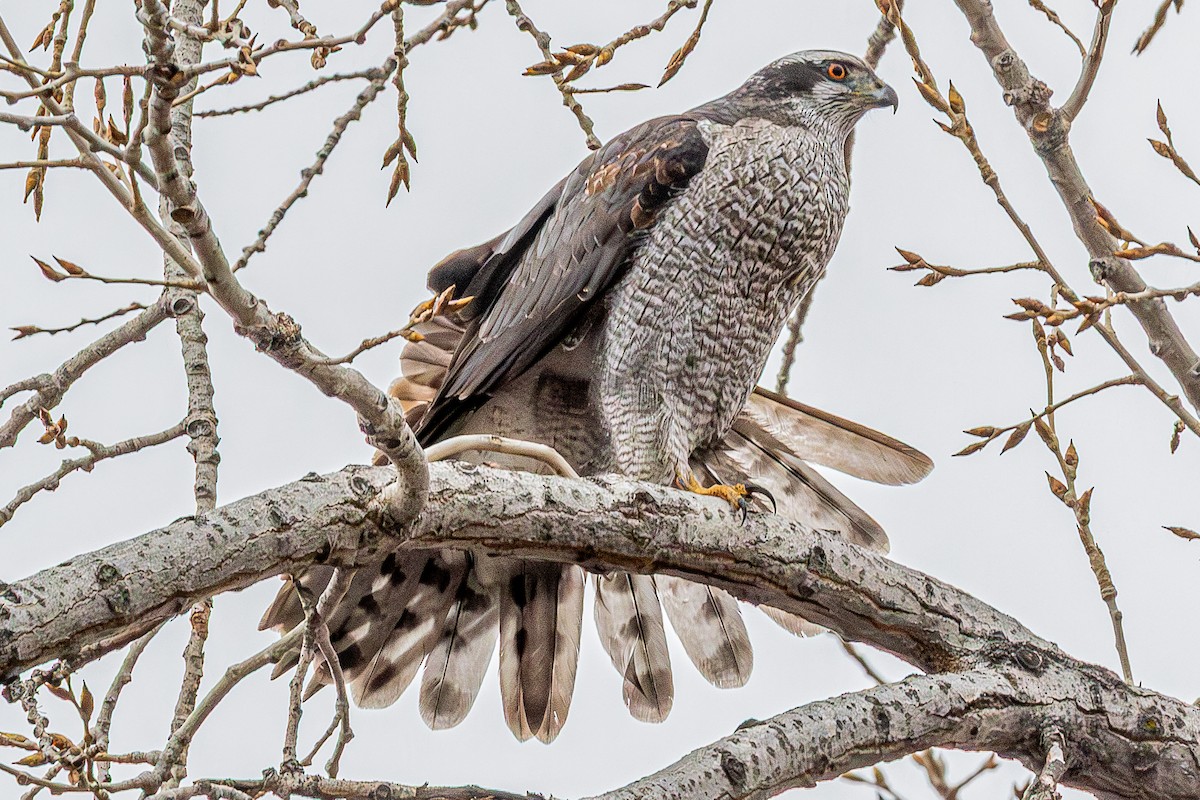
point(882, 96)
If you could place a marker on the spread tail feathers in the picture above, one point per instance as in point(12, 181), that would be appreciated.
point(630, 623)
point(541, 615)
point(459, 660)
point(450, 608)
point(800, 492)
point(709, 624)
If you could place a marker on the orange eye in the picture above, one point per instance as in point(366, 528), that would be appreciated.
point(836, 71)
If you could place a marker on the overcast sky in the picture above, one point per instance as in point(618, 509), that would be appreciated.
point(921, 364)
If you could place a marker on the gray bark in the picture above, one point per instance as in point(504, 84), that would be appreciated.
point(1001, 687)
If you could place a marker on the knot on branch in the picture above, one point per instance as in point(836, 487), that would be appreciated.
point(180, 306)
point(1102, 268)
point(282, 333)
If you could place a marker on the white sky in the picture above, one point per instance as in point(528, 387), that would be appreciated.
point(919, 363)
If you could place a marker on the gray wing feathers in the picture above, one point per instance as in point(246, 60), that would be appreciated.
point(630, 623)
point(541, 615)
point(823, 438)
point(709, 624)
point(800, 492)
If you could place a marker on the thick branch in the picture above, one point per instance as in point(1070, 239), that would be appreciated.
point(1121, 740)
point(1002, 707)
point(276, 334)
point(1048, 129)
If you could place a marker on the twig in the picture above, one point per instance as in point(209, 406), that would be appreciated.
point(45, 163)
point(182, 736)
point(278, 98)
point(24, 331)
point(202, 428)
point(378, 77)
point(1047, 130)
point(74, 272)
point(866, 666)
point(1057, 20)
point(328, 43)
point(877, 44)
point(285, 784)
point(189, 688)
point(680, 56)
point(404, 140)
point(880, 38)
point(365, 345)
point(989, 433)
point(100, 730)
point(524, 23)
point(316, 636)
point(97, 453)
point(1045, 785)
point(1079, 504)
point(1091, 64)
point(51, 387)
point(955, 107)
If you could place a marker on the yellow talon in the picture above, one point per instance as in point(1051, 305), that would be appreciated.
point(738, 495)
point(734, 494)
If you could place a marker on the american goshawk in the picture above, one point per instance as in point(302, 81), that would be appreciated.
point(624, 321)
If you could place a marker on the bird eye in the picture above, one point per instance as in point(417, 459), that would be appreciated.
point(837, 71)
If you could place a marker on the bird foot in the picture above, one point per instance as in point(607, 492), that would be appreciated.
point(738, 495)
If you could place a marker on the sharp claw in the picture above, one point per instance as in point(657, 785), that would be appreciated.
point(753, 489)
point(744, 506)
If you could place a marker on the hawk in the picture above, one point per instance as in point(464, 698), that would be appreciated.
point(624, 321)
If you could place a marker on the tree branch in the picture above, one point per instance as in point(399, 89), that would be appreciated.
point(1048, 129)
point(1123, 740)
point(50, 388)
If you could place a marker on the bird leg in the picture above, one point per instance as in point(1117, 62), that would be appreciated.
point(738, 495)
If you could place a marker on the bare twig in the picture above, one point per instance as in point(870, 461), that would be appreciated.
point(100, 730)
point(680, 56)
point(45, 163)
point(365, 345)
point(378, 77)
point(1162, 325)
point(1047, 129)
point(1056, 20)
point(1045, 785)
point(279, 98)
point(1091, 64)
point(24, 331)
point(96, 453)
point(861, 660)
point(877, 44)
point(326, 43)
point(189, 688)
point(524, 23)
point(1079, 504)
point(202, 428)
point(50, 388)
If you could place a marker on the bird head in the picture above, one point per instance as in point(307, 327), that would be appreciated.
point(824, 84)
